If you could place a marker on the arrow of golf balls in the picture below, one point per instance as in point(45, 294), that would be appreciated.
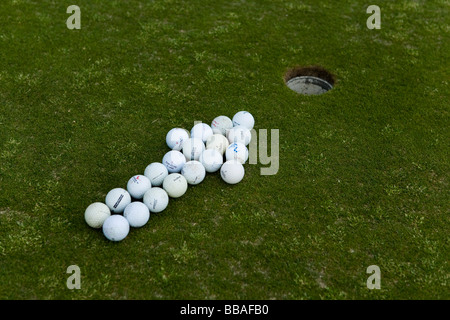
point(192, 155)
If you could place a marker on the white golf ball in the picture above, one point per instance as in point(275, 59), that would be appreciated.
point(245, 119)
point(156, 172)
point(211, 159)
point(116, 227)
point(138, 185)
point(194, 172)
point(232, 171)
point(201, 131)
point(218, 142)
point(221, 125)
point(192, 148)
point(239, 134)
point(156, 199)
point(175, 185)
point(175, 138)
point(117, 199)
point(237, 151)
point(137, 214)
point(174, 160)
point(96, 213)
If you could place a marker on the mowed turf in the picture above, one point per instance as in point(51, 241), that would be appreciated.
point(363, 169)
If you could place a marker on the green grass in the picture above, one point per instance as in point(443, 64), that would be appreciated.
point(363, 176)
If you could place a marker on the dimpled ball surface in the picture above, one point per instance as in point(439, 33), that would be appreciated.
point(194, 172)
point(116, 227)
point(175, 185)
point(156, 199)
point(245, 119)
point(232, 172)
point(211, 159)
point(137, 214)
point(221, 125)
point(156, 172)
point(138, 185)
point(96, 213)
point(117, 199)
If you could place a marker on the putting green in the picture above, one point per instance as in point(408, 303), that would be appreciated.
point(362, 174)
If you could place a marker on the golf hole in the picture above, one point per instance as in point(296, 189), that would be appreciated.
point(309, 80)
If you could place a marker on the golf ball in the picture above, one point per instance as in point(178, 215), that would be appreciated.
point(245, 119)
point(117, 199)
point(156, 172)
point(175, 185)
point(218, 142)
point(237, 151)
point(96, 213)
point(137, 214)
point(221, 125)
point(156, 199)
point(138, 185)
point(201, 131)
point(194, 172)
point(239, 134)
point(232, 172)
point(211, 159)
point(174, 160)
point(116, 227)
point(192, 148)
point(175, 138)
